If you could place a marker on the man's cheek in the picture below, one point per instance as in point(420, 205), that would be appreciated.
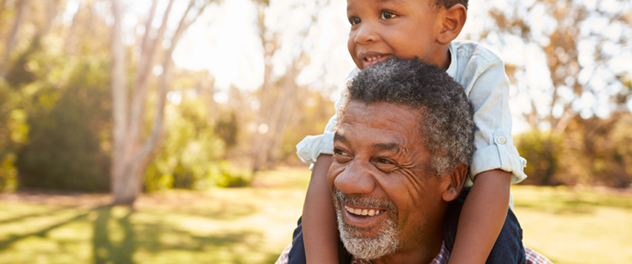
point(334, 171)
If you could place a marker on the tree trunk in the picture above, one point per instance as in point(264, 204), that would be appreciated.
point(119, 110)
point(259, 144)
point(130, 154)
point(283, 112)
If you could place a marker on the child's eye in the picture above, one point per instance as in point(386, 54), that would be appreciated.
point(388, 15)
point(354, 20)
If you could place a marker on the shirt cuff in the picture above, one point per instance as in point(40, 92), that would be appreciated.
point(311, 147)
point(499, 156)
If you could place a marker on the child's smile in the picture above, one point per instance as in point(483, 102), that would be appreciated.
point(381, 29)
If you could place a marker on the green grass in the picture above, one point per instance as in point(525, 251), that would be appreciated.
point(575, 226)
point(253, 225)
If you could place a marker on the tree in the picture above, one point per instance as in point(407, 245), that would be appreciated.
point(586, 93)
point(277, 98)
point(131, 153)
point(582, 43)
point(11, 40)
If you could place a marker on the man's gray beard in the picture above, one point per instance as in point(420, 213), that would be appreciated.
point(386, 242)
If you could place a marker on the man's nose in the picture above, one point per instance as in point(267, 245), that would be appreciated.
point(366, 33)
point(355, 179)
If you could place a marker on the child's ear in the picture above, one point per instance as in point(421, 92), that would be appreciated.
point(454, 182)
point(453, 23)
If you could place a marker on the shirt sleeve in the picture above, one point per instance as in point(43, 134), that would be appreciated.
point(311, 147)
point(489, 93)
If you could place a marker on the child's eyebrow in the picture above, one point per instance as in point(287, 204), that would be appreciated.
point(399, 2)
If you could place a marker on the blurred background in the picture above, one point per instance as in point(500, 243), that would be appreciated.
point(164, 131)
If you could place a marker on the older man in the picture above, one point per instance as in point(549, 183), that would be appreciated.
point(401, 154)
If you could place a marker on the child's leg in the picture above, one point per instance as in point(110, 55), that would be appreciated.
point(508, 247)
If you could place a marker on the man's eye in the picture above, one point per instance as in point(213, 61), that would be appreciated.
point(384, 164)
point(388, 15)
point(354, 21)
point(341, 156)
point(384, 161)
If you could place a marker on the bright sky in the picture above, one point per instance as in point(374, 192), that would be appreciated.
point(225, 42)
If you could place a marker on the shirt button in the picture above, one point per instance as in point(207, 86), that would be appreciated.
point(501, 140)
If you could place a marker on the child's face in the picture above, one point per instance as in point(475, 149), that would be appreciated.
point(384, 28)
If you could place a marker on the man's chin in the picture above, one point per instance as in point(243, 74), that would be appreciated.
point(369, 242)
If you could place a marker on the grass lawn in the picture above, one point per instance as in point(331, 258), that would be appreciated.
point(253, 225)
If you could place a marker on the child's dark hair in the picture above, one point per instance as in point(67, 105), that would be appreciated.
point(450, 3)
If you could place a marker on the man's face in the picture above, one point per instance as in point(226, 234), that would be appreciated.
point(383, 192)
point(381, 29)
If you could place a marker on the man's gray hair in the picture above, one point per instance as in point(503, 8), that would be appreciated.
point(447, 125)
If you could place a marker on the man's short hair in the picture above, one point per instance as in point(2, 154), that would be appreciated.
point(447, 126)
point(450, 3)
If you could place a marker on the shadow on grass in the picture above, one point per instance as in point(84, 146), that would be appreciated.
point(43, 214)
point(4, 244)
point(117, 239)
point(225, 212)
point(103, 250)
point(155, 238)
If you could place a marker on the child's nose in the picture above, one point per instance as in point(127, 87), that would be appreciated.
point(365, 33)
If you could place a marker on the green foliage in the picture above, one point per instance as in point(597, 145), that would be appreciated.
point(189, 157)
point(67, 148)
point(590, 152)
point(227, 128)
point(8, 173)
point(542, 151)
point(600, 150)
point(226, 176)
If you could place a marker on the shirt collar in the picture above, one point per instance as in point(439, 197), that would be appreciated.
point(452, 68)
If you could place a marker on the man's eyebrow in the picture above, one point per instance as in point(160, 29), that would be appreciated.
point(394, 147)
point(339, 137)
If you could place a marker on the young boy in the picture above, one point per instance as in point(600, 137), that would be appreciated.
point(381, 29)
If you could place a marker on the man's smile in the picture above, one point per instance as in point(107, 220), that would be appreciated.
point(363, 218)
point(363, 212)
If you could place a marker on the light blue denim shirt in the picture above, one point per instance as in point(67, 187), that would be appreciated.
point(482, 73)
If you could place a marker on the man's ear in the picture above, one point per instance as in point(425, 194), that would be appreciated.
point(454, 182)
point(453, 22)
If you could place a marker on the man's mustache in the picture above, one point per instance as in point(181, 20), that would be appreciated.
point(358, 200)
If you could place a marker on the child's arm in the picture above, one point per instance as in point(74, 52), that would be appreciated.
point(482, 217)
point(320, 235)
point(495, 163)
